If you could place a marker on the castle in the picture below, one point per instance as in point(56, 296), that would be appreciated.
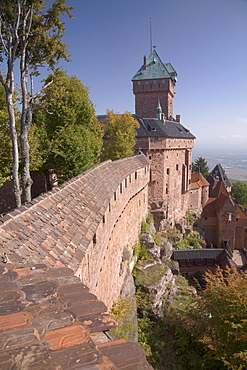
point(79, 237)
point(165, 142)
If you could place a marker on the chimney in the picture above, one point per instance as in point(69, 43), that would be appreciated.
point(145, 62)
point(178, 118)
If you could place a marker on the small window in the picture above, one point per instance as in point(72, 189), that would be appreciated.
point(155, 82)
point(206, 218)
point(94, 239)
point(146, 82)
point(167, 189)
point(115, 195)
point(126, 183)
point(177, 167)
point(135, 175)
point(103, 219)
point(139, 82)
point(168, 171)
point(121, 188)
point(109, 207)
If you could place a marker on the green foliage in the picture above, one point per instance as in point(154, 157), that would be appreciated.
point(192, 240)
point(67, 136)
point(120, 135)
point(145, 225)
point(142, 251)
point(216, 321)
point(190, 217)
point(239, 191)
point(42, 44)
point(122, 311)
point(200, 165)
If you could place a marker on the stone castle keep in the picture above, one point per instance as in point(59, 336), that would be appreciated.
point(165, 142)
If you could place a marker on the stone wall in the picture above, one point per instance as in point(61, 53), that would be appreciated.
point(149, 92)
point(170, 175)
point(89, 224)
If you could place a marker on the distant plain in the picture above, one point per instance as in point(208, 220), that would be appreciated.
point(234, 164)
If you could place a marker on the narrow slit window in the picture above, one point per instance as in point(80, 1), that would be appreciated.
point(94, 239)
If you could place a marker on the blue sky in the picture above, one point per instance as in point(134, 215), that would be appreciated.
point(204, 40)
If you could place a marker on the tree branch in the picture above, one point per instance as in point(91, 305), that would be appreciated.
point(40, 91)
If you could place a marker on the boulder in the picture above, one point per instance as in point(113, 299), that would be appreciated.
point(157, 279)
point(166, 250)
point(148, 240)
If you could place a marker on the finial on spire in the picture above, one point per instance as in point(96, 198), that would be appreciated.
point(151, 39)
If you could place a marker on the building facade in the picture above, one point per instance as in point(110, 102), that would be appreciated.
point(222, 221)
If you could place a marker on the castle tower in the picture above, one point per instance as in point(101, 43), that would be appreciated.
point(154, 83)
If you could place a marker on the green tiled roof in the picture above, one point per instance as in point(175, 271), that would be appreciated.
point(155, 69)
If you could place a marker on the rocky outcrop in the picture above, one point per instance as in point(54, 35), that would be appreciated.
point(158, 281)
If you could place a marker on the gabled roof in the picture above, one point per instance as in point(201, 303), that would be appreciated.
point(198, 181)
point(219, 173)
point(153, 127)
point(155, 69)
point(217, 187)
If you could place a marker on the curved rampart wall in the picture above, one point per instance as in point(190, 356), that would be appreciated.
point(89, 224)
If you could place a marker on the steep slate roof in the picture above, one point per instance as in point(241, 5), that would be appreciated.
point(216, 188)
point(180, 254)
point(198, 181)
point(57, 227)
point(220, 173)
point(153, 127)
point(204, 256)
point(49, 320)
point(155, 69)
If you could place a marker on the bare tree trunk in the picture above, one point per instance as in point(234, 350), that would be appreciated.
point(14, 140)
point(9, 89)
point(26, 121)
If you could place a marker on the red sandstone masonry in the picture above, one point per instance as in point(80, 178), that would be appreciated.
point(85, 224)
